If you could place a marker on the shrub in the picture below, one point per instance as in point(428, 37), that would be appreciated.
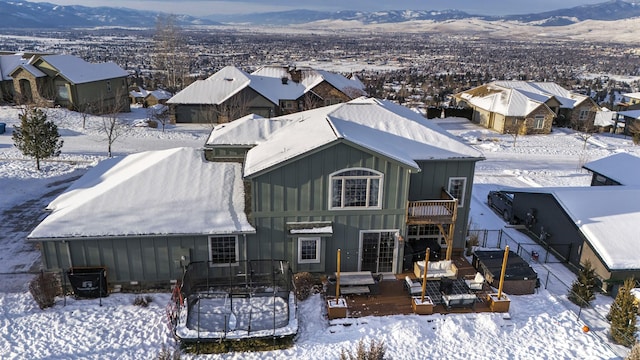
point(582, 289)
point(44, 288)
point(623, 314)
point(142, 300)
point(634, 354)
point(304, 282)
point(375, 351)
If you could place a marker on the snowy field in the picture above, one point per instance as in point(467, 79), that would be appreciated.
point(540, 326)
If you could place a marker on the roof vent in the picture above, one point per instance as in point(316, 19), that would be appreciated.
point(285, 80)
point(228, 79)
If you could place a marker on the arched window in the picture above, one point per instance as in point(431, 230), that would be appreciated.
point(356, 188)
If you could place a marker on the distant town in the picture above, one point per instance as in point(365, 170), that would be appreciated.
point(411, 69)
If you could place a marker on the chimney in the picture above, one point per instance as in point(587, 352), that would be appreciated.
point(285, 80)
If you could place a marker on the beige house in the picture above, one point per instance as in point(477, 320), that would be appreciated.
point(65, 80)
point(527, 107)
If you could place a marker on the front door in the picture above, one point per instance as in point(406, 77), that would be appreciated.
point(377, 249)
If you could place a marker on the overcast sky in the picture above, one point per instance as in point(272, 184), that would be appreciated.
point(205, 7)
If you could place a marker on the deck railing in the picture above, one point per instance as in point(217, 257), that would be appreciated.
point(441, 211)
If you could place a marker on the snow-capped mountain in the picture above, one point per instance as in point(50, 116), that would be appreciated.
point(24, 14)
point(610, 10)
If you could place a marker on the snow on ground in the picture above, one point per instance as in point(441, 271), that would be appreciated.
point(542, 325)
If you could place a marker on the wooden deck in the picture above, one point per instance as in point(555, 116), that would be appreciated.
point(390, 296)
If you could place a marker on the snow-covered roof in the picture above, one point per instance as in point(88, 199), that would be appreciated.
point(139, 194)
point(266, 81)
point(606, 118)
point(519, 98)
point(31, 69)
point(312, 78)
point(634, 95)
point(609, 226)
point(621, 167)
point(248, 130)
point(160, 94)
point(380, 126)
point(8, 63)
point(566, 98)
point(273, 71)
point(508, 102)
point(227, 82)
point(275, 90)
point(634, 114)
point(79, 71)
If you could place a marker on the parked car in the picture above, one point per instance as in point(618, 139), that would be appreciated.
point(502, 203)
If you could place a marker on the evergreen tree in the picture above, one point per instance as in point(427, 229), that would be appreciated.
point(36, 136)
point(623, 314)
point(582, 289)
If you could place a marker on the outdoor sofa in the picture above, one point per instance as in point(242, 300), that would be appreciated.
point(436, 270)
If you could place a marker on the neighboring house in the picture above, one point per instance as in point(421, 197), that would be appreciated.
point(629, 101)
point(7, 64)
point(147, 98)
point(631, 120)
point(617, 169)
point(527, 107)
point(596, 223)
point(69, 81)
point(366, 177)
point(270, 91)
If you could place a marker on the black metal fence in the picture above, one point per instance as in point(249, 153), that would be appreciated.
point(554, 272)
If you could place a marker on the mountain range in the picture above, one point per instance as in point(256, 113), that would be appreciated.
point(24, 14)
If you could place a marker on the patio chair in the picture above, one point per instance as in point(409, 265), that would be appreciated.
point(413, 287)
point(476, 283)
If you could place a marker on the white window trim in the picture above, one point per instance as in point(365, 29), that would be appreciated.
point(318, 247)
point(237, 250)
point(538, 119)
point(464, 189)
point(380, 176)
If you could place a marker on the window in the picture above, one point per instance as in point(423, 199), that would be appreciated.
point(63, 92)
point(355, 188)
point(583, 115)
point(223, 250)
point(457, 187)
point(538, 122)
point(308, 250)
point(108, 85)
point(331, 101)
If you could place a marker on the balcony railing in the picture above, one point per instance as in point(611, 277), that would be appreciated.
point(442, 211)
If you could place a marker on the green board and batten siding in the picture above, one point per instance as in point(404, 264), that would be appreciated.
point(435, 174)
point(298, 191)
point(144, 259)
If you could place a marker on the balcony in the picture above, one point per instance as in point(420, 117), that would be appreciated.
point(442, 211)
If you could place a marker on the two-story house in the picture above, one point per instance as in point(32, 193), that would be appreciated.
point(365, 177)
point(269, 91)
point(68, 81)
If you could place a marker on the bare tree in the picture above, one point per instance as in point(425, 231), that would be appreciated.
point(585, 129)
point(112, 127)
point(518, 128)
point(170, 56)
point(85, 109)
point(159, 113)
